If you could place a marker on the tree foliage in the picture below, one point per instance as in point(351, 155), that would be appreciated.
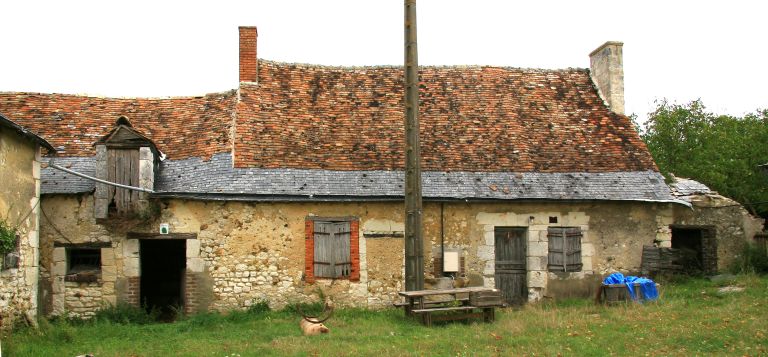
point(721, 151)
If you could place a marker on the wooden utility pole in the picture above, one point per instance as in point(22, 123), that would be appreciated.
point(414, 248)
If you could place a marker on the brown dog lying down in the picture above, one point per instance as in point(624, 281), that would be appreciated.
point(310, 328)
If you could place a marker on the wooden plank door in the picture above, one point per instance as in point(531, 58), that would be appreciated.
point(511, 277)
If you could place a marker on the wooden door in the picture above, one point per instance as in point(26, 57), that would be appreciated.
point(511, 277)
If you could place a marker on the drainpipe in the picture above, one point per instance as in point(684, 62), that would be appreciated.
point(442, 237)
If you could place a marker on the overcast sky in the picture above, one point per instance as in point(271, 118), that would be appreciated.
point(680, 50)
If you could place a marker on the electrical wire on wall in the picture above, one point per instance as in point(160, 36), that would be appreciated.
point(50, 221)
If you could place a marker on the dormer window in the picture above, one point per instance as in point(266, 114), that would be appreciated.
point(126, 157)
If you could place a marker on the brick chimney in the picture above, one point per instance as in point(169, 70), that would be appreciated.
point(607, 71)
point(249, 65)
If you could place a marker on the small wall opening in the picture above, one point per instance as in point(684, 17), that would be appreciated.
point(83, 265)
point(162, 275)
point(690, 245)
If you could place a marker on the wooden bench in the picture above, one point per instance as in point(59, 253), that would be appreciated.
point(436, 309)
point(465, 312)
point(463, 301)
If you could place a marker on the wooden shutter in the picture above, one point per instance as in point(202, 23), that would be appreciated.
point(332, 249)
point(573, 249)
point(556, 249)
point(564, 249)
point(123, 168)
point(437, 264)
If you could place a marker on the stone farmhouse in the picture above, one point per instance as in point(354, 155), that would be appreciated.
point(20, 157)
point(534, 182)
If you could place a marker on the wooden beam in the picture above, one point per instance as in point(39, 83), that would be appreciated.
point(383, 234)
point(140, 235)
point(83, 245)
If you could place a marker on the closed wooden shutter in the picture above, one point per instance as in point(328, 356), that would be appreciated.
point(556, 249)
point(332, 252)
point(123, 168)
point(437, 264)
point(564, 249)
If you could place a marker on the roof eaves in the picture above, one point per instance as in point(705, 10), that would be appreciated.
point(27, 134)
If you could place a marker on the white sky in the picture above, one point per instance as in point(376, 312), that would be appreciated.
point(680, 50)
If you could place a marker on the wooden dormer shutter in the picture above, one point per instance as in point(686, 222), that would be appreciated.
point(564, 249)
point(123, 168)
point(126, 157)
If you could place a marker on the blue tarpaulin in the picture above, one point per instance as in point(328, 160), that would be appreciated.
point(647, 286)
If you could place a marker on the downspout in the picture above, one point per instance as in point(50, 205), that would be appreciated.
point(442, 239)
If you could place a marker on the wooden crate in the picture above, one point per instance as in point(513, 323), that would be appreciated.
point(614, 293)
point(485, 298)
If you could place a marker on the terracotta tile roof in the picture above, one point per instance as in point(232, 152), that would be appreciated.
point(25, 133)
point(472, 119)
point(181, 127)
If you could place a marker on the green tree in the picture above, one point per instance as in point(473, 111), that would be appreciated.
point(721, 151)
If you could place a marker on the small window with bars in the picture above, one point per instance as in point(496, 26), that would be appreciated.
point(332, 258)
point(83, 260)
point(564, 249)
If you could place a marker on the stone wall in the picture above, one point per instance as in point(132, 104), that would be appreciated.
point(82, 299)
point(538, 245)
point(64, 295)
point(250, 252)
point(20, 177)
point(733, 225)
point(613, 236)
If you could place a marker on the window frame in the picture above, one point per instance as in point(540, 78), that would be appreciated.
point(354, 248)
point(83, 272)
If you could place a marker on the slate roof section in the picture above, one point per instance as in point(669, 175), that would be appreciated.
point(181, 127)
point(216, 179)
point(687, 187)
point(473, 119)
point(54, 181)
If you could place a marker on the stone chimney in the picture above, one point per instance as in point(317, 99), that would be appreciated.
point(607, 70)
point(249, 65)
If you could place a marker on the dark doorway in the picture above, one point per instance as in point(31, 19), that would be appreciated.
point(689, 243)
point(162, 270)
point(511, 273)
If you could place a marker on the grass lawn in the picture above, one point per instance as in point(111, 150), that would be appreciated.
point(692, 318)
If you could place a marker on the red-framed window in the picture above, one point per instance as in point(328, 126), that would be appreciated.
point(332, 248)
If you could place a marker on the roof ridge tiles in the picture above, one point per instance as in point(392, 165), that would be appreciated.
point(98, 96)
point(461, 66)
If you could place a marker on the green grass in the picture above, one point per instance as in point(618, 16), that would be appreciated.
point(692, 318)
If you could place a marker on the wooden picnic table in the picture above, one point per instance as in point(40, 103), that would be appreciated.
point(452, 304)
